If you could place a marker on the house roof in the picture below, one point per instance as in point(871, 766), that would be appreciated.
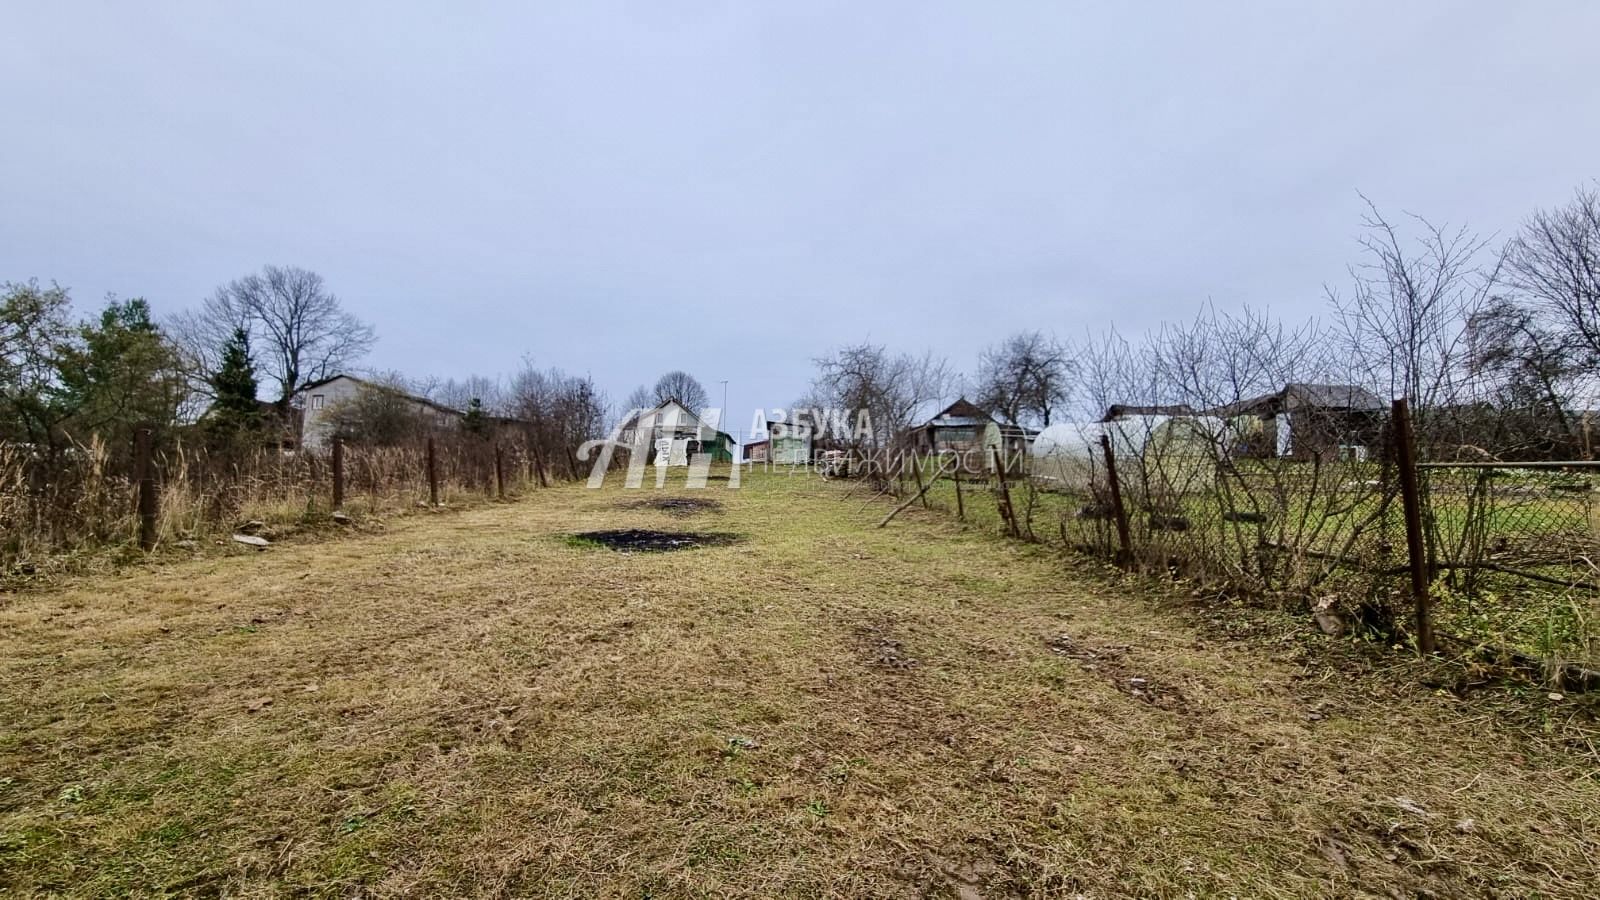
point(960, 414)
point(1122, 410)
point(421, 401)
point(1023, 430)
point(1305, 395)
point(694, 419)
point(1332, 396)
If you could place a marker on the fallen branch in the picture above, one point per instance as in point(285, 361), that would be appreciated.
point(1570, 676)
point(1507, 570)
point(874, 497)
point(913, 498)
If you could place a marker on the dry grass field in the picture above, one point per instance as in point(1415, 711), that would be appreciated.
point(476, 704)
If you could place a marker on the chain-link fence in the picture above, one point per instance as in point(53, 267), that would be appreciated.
point(1512, 555)
point(1510, 548)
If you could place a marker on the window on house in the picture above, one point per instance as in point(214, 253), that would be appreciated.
point(317, 401)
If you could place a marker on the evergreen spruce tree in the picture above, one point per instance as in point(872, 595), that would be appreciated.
point(473, 422)
point(235, 409)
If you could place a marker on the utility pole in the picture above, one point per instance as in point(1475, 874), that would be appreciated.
point(722, 417)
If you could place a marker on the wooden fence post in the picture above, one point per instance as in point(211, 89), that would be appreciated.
point(961, 506)
point(909, 500)
point(433, 475)
point(916, 469)
point(144, 471)
point(500, 471)
point(538, 465)
point(1118, 510)
point(1405, 447)
point(1003, 495)
point(338, 473)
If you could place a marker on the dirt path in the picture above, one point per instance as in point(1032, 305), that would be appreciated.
point(472, 704)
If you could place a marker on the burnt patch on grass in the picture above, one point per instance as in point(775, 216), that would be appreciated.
point(677, 506)
point(642, 540)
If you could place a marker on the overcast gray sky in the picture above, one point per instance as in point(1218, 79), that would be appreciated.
point(734, 188)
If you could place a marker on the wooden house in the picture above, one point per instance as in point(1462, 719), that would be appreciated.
point(968, 433)
point(1306, 422)
point(319, 402)
point(788, 444)
point(676, 435)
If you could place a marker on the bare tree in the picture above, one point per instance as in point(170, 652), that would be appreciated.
point(681, 386)
point(561, 412)
point(1404, 323)
point(1107, 374)
point(1025, 378)
point(459, 394)
point(300, 330)
point(1531, 372)
point(1554, 265)
point(888, 387)
point(1221, 358)
point(641, 398)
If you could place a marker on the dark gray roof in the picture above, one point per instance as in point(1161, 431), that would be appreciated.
point(1331, 396)
point(960, 414)
point(1304, 395)
point(1118, 410)
point(386, 388)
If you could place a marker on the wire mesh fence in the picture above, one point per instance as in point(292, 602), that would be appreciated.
point(1511, 548)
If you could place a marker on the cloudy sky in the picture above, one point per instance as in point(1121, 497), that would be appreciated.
point(734, 188)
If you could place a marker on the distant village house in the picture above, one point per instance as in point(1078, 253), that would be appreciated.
point(964, 430)
point(1306, 422)
point(676, 436)
point(786, 444)
point(1301, 421)
point(319, 403)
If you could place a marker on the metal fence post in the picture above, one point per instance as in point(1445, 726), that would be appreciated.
point(144, 472)
point(1405, 447)
point(433, 475)
point(1118, 511)
point(338, 473)
point(500, 471)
